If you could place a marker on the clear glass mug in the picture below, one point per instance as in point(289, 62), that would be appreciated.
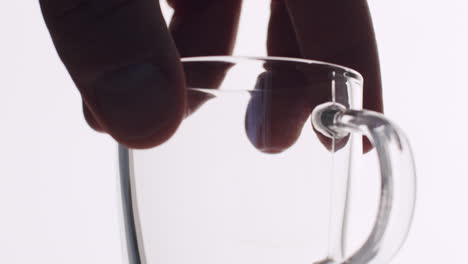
point(258, 171)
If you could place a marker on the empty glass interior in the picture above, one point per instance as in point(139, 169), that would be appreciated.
point(246, 179)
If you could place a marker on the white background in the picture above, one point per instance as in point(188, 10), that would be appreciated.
point(58, 178)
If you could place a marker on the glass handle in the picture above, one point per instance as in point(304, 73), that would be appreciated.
point(398, 178)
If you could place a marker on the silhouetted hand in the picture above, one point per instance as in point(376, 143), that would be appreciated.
point(125, 61)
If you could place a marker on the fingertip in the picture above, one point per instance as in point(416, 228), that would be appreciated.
point(140, 105)
point(126, 66)
point(158, 137)
point(268, 130)
point(277, 111)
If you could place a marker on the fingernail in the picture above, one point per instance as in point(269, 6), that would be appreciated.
point(135, 101)
point(257, 115)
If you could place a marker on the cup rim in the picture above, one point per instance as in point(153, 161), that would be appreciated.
point(349, 72)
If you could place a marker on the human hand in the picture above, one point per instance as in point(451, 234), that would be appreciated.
point(124, 61)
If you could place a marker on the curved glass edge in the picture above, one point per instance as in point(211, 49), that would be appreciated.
point(349, 73)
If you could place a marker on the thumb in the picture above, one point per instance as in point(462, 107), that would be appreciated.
point(123, 60)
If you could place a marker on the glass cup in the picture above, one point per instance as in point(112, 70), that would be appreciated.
point(258, 170)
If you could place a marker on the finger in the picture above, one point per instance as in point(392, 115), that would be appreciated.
point(274, 116)
point(204, 28)
point(282, 41)
point(282, 102)
point(122, 59)
point(286, 94)
point(281, 38)
point(340, 32)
